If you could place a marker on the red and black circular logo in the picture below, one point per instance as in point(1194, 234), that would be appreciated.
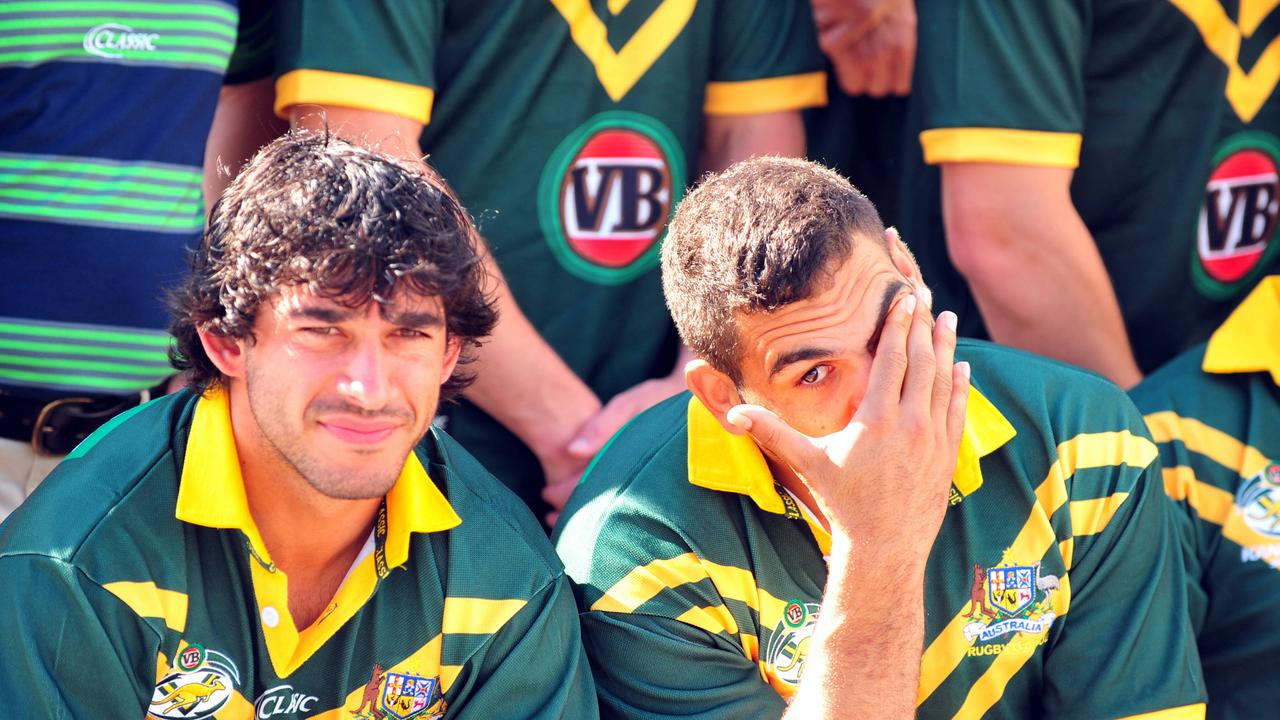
point(1239, 215)
point(607, 193)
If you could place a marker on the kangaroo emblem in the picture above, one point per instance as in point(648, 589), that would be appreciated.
point(977, 598)
point(190, 695)
point(370, 699)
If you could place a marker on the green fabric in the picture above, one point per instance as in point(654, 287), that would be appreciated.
point(1233, 587)
point(637, 507)
point(255, 43)
point(107, 516)
point(515, 100)
point(1147, 95)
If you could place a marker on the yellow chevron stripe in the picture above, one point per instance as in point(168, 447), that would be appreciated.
point(1209, 441)
point(1090, 517)
point(1088, 450)
point(1211, 503)
point(149, 601)
point(477, 616)
point(1186, 712)
point(1067, 549)
point(714, 619)
point(646, 581)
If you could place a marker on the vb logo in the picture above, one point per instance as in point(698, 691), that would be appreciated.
point(1238, 218)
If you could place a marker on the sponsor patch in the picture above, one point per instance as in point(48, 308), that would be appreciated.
point(200, 682)
point(1235, 233)
point(788, 647)
point(606, 194)
point(1258, 501)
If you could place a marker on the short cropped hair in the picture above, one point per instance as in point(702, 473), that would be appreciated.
point(343, 221)
point(765, 233)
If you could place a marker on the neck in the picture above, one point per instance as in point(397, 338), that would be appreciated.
point(309, 536)
point(787, 478)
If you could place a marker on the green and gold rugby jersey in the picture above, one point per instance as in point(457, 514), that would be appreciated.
point(570, 129)
point(134, 582)
point(1053, 589)
point(1130, 94)
point(1215, 412)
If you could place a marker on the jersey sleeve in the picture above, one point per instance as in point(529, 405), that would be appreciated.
point(374, 55)
point(535, 666)
point(1126, 622)
point(70, 649)
point(765, 59)
point(1001, 81)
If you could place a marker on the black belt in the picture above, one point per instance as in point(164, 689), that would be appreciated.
point(55, 427)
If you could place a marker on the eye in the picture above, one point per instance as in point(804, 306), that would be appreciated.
point(816, 375)
point(411, 333)
point(321, 330)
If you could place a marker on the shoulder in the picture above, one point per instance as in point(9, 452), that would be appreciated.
point(498, 537)
point(111, 495)
point(1181, 382)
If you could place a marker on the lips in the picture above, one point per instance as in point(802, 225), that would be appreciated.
point(359, 431)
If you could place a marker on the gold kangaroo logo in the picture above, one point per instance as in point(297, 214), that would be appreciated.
point(190, 695)
point(798, 657)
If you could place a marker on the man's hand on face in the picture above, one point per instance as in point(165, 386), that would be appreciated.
point(871, 43)
point(882, 481)
point(597, 430)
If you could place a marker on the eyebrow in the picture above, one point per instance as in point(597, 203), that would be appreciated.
point(334, 315)
point(798, 355)
point(886, 302)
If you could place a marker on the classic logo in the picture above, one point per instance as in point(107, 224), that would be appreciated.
point(606, 193)
point(1237, 224)
point(1258, 501)
point(788, 647)
point(113, 40)
point(199, 684)
point(402, 696)
point(1009, 598)
point(282, 700)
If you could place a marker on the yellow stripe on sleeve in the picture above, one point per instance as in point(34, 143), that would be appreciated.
point(322, 87)
point(1001, 145)
point(1210, 503)
point(1209, 441)
point(752, 97)
point(1186, 712)
point(1090, 517)
point(714, 619)
point(646, 581)
point(477, 616)
point(149, 601)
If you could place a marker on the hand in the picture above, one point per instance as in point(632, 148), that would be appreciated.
point(887, 474)
point(597, 430)
point(871, 43)
point(561, 472)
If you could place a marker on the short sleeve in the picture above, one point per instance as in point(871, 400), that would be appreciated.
point(1127, 622)
point(534, 667)
point(766, 58)
point(71, 649)
point(370, 55)
point(1002, 81)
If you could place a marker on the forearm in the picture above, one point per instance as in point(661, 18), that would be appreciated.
point(726, 139)
point(1036, 273)
point(243, 122)
point(865, 657)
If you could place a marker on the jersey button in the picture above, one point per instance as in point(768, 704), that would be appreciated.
point(270, 616)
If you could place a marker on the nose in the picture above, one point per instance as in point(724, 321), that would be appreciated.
point(364, 379)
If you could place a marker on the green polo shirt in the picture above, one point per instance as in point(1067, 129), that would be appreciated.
point(1215, 412)
point(135, 581)
point(1161, 110)
point(1053, 589)
point(570, 129)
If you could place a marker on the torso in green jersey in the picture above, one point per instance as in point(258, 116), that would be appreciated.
point(1055, 569)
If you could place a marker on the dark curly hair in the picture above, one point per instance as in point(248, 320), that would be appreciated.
point(349, 224)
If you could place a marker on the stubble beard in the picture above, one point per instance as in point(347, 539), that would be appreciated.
point(364, 482)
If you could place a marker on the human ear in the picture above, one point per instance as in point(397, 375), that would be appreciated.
point(226, 353)
point(715, 390)
point(452, 351)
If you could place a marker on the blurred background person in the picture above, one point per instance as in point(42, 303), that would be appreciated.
point(104, 112)
point(1084, 217)
point(571, 130)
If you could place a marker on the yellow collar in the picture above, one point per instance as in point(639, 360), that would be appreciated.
point(212, 489)
point(1249, 341)
point(722, 461)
